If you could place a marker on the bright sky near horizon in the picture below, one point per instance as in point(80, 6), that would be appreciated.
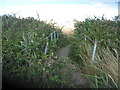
point(62, 12)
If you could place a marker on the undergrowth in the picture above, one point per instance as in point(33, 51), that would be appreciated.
point(24, 61)
point(103, 73)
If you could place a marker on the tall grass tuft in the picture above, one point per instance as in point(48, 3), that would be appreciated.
point(104, 72)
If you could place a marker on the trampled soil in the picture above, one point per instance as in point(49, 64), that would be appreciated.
point(71, 72)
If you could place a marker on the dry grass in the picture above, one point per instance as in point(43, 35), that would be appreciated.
point(105, 62)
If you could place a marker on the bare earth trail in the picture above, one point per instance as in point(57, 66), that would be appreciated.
point(63, 52)
point(71, 72)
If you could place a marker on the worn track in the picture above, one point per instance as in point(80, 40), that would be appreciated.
point(71, 72)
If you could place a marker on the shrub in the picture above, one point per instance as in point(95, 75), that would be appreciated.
point(105, 32)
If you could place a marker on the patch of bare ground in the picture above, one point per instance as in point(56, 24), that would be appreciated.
point(71, 72)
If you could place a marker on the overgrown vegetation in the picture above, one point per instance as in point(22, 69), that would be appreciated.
point(26, 65)
point(24, 61)
point(103, 73)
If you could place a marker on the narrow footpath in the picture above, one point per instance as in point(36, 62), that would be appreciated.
point(71, 72)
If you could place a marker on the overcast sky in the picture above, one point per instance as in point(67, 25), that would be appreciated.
point(61, 11)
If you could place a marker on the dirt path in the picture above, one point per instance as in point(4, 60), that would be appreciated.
point(71, 72)
point(63, 52)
